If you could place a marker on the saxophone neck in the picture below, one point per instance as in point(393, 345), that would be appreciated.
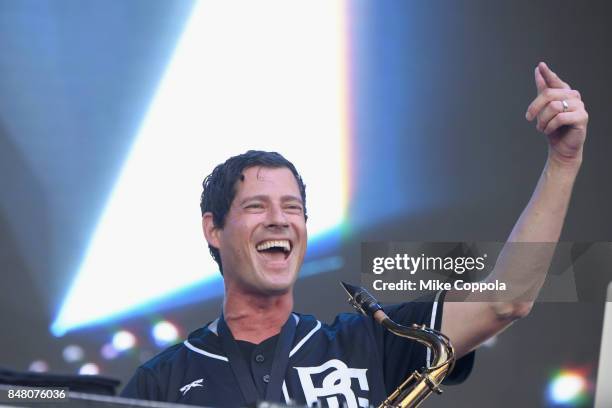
point(420, 384)
point(439, 344)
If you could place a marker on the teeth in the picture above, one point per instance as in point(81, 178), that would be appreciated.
point(284, 244)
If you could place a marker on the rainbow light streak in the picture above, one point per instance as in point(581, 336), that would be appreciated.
point(268, 75)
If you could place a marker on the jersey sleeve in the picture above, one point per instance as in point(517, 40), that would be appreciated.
point(401, 356)
point(142, 385)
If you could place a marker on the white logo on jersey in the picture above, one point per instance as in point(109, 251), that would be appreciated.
point(196, 383)
point(337, 382)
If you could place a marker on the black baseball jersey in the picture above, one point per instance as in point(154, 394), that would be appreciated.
point(353, 361)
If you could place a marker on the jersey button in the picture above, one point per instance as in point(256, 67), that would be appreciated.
point(259, 358)
point(266, 378)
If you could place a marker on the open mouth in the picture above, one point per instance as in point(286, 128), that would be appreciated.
point(275, 250)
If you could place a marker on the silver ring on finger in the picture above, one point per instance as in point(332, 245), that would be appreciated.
point(565, 105)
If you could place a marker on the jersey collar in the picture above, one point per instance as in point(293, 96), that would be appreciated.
point(206, 342)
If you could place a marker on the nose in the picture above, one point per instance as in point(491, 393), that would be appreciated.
point(276, 217)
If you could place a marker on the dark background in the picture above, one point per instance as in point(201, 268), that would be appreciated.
point(439, 93)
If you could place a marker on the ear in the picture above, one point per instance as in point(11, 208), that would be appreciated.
point(211, 232)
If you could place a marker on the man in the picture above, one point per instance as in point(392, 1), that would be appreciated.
point(254, 219)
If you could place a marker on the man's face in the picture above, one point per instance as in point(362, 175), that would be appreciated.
point(263, 241)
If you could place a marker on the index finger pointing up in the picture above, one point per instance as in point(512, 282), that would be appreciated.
point(539, 80)
point(552, 79)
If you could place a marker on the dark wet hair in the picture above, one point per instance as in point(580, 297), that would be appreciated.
point(219, 187)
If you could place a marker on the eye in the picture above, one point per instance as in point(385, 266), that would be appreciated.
point(254, 206)
point(294, 207)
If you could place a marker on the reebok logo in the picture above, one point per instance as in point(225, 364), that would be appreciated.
point(196, 383)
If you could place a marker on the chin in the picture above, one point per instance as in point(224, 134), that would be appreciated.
point(278, 290)
point(278, 287)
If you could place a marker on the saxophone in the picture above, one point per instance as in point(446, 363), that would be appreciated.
point(421, 384)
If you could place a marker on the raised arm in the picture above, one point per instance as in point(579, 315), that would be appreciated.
point(562, 117)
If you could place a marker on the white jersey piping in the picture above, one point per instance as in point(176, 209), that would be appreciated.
point(204, 353)
point(285, 393)
point(305, 339)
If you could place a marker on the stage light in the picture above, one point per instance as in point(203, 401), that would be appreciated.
point(568, 388)
point(72, 353)
point(109, 352)
point(89, 369)
point(164, 333)
point(123, 340)
point(265, 77)
point(38, 366)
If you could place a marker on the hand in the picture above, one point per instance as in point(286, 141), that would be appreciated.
point(565, 127)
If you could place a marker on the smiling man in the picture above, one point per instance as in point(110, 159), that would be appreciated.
point(262, 239)
point(254, 219)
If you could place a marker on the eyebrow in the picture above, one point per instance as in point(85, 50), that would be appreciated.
point(284, 198)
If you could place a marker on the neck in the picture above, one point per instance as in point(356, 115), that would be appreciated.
point(255, 317)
